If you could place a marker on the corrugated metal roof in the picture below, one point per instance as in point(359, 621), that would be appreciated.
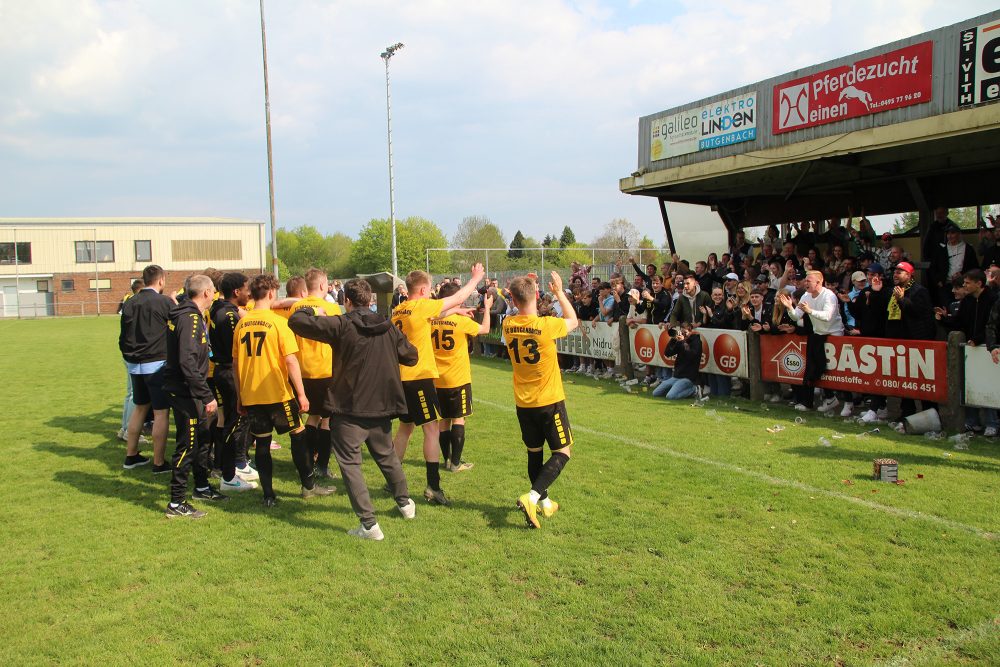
point(128, 221)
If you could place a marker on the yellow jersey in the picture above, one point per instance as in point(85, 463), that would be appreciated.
point(315, 358)
point(531, 343)
point(413, 318)
point(450, 338)
point(261, 342)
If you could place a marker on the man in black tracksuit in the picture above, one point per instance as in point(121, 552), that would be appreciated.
point(365, 397)
point(185, 379)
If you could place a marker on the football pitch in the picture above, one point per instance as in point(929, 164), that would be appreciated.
point(685, 536)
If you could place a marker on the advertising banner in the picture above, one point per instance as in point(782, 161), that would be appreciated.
point(723, 351)
point(888, 81)
point(721, 123)
point(590, 340)
point(910, 369)
point(979, 64)
point(982, 378)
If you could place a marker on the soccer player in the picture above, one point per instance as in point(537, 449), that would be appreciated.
point(316, 363)
point(237, 475)
point(143, 343)
point(450, 336)
point(538, 390)
point(185, 379)
point(264, 361)
point(413, 317)
point(365, 396)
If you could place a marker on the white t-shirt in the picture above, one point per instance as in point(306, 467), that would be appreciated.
point(825, 313)
point(956, 257)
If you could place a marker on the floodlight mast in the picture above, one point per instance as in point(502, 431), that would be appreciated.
point(386, 56)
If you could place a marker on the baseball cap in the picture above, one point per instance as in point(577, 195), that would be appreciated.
point(732, 276)
point(858, 276)
point(876, 268)
point(800, 274)
point(905, 266)
point(633, 294)
point(763, 279)
point(952, 227)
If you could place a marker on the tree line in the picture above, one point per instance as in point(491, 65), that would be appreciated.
point(371, 252)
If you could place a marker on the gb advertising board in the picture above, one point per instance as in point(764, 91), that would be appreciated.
point(979, 64)
point(982, 378)
point(910, 369)
point(723, 351)
point(593, 340)
point(720, 123)
point(887, 81)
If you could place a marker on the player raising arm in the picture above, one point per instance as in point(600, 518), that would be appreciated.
point(538, 390)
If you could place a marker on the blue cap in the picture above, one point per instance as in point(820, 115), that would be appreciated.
point(876, 268)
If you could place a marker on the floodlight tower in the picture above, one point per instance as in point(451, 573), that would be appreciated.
point(386, 56)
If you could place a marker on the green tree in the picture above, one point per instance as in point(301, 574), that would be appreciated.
point(340, 256)
point(567, 238)
point(621, 236)
point(516, 244)
point(303, 248)
point(478, 232)
point(372, 251)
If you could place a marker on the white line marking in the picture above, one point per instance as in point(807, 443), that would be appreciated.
point(775, 481)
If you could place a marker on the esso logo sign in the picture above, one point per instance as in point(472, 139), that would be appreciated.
point(704, 354)
point(645, 346)
point(662, 347)
point(793, 363)
point(726, 352)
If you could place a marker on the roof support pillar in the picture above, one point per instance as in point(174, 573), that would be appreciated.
point(666, 225)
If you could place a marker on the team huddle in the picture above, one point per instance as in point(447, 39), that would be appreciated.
point(236, 364)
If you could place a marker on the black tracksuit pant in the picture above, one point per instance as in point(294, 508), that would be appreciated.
point(194, 443)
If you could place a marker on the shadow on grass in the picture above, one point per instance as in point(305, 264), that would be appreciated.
point(497, 516)
point(895, 450)
point(109, 454)
point(106, 422)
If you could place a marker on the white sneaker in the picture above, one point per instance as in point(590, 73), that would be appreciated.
point(990, 432)
point(828, 404)
point(409, 510)
point(247, 473)
point(869, 417)
point(900, 428)
point(848, 409)
point(122, 435)
point(882, 413)
point(373, 533)
point(767, 398)
point(801, 407)
point(775, 399)
point(237, 485)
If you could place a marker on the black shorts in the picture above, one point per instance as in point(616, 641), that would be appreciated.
point(281, 417)
point(148, 390)
point(316, 389)
point(421, 402)
point(549, 423)
point(455, 402)
point(223, 384)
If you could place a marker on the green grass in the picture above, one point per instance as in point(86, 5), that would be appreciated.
point(684, 537)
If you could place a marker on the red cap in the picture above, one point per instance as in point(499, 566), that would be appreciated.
point(905, 266)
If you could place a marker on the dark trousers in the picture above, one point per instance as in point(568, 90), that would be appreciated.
point(194, 444)
point(347, 434)
point(225, 386)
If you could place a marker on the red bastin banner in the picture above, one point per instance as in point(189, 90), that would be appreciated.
point(910, 369)
point(888, 81)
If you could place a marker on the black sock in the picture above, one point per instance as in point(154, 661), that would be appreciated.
point(301, 456)
point(535, 461)
point(550, 471)
point(324, 445)
point(312, 440)
point(215, 434)
point(433, 475)
point(265, 466)
point(457, 443)
point(445, 438)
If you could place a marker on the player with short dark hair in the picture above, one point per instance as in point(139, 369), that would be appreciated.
point(413, 318)
point(264, 362)
point(538, 390)
point(450, 336)
point(185, 379)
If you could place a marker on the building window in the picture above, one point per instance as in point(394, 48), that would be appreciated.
point(67, 285)
point(23, 255)
point(100, 284)
point(144, 251)
point(42, 285)
point(85, 252)
point(210, 250)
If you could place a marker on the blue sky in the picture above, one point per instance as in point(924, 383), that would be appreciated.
point(525, 112)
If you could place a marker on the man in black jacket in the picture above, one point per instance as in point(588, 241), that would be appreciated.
point(185, 379)
point(365, 397)
point(686, 346)
point(143, 344)
point(910, 316)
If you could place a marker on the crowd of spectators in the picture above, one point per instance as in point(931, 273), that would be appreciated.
point(846, 280)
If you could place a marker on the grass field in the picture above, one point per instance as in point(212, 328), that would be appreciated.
point(685, 537)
